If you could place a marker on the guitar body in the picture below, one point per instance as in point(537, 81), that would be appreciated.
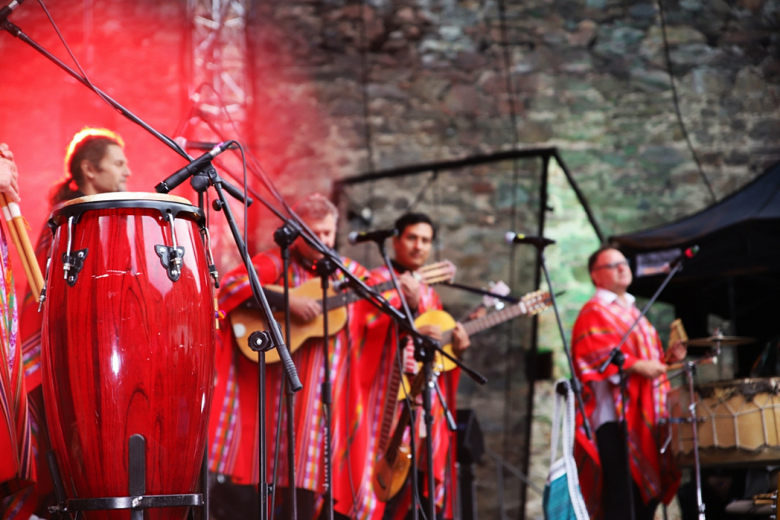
point(446, 323)
point(388, 479)
point(245, 321)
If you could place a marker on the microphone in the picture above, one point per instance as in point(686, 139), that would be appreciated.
point(380, 235)
point(198, 145)
point(191, 169)
point(6, 11)
point(519, 238)
point(688, 253)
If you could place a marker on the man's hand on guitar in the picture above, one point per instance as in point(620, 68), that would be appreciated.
point(460, 340)
point(434, 331)
point(304, 309)
point(410, 287)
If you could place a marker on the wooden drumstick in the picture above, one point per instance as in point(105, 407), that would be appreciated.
point(18, 232)
point(678, 366)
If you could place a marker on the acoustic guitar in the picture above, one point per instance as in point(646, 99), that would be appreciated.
point(392, 466)
point(246, 318)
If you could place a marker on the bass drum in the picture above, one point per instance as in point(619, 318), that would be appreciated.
point(738, 423)
point(128, 345)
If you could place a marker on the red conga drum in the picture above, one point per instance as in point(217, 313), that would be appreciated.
point(128, 346)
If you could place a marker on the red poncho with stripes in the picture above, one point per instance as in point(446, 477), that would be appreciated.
point(599, 328)
point(233, 427)
point(17, 466)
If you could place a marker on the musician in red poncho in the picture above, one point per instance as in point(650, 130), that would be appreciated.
point(233, 427)
point(17, 468)
point(601, 324)
point(379, 368)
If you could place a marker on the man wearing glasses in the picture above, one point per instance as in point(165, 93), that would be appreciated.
point(600, 326)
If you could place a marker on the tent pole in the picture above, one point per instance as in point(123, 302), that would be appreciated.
point(580, 197)
point(531, 360)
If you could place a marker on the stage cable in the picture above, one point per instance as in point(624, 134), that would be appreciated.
point(676, 102)
point(367, 134)
point(347, 420)
point(364, 73)
point(507, 61)
point(84, 74)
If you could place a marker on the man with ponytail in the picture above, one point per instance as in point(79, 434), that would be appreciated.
point(95, 163)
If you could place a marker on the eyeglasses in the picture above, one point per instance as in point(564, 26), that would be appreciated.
point(613, 265)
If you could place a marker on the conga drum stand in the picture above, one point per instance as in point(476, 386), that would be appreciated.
point(136, 500)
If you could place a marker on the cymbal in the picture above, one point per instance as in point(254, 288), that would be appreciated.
point(719, 338)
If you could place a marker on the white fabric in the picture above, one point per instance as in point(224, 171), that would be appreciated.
point(610, 297)
point(604, 411)
point(564, 412)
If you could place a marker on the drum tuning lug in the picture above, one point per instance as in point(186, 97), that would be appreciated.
point(72, 265)
point(41, 299)
point(261, 341)
point(170, 258)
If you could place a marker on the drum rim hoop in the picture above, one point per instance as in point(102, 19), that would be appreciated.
point(123, 196)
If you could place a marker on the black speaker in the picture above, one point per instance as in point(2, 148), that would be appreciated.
point(471, 445)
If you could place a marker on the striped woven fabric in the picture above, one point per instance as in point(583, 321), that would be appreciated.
point(17, 465)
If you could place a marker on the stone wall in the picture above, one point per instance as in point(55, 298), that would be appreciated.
point(589, 76)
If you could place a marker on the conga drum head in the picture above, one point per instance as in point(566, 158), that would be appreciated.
point(738, 423)
point(128, 345)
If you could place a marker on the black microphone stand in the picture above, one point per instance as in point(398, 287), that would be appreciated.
point(575, 382)
point(259, 341)
point(284, 236)
point(324, 269)
point(412, 416)
point(617, 358)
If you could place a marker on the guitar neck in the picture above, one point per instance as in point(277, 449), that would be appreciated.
point(398, 435)
point(350, 296)
point(491, 320)
point(430, 274)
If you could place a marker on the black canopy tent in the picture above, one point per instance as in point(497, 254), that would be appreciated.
point(736, 274)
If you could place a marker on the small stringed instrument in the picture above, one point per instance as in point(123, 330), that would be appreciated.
point(392, 467)
point(246, 318)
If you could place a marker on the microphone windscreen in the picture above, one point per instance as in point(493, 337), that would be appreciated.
point(509, 237)
point(352, 237)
